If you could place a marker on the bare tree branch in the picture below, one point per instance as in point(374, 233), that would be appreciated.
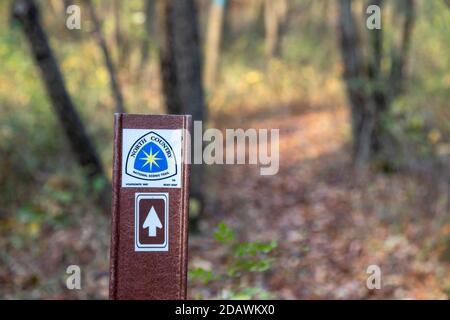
point(400, 54)
point(26, 12)
point(114, 83)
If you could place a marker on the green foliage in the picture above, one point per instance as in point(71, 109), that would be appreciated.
point(243, 260)
point(251, 256)
point(254, 248)
point(99, 184)
point(249, 293)
point(223, 234)
point(194, 208)
point(28, 214)
point(205, 276)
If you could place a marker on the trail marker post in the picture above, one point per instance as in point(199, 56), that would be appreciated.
point(150, 207)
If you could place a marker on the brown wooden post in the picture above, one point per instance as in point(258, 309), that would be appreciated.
point(150, 207)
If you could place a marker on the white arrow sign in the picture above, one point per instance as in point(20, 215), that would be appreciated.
point(152, 222)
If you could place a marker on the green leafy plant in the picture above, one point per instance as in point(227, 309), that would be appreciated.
point(243, 262)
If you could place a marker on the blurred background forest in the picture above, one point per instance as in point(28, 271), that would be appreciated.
point(345, 196)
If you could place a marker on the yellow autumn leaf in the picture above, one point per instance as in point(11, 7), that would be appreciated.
point(434, 136)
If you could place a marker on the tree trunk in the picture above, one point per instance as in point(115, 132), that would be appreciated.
point(149, 32)
point(169, 79)
point(353, 76)
point(378, 92)
point(26, 12)
point(114, 83)
point(213, 39)
point(370, 91)
point(67, 3)
point(400, 54)
point(275, 13)
point(181, 71)
point(118, 37)
point(188, 58)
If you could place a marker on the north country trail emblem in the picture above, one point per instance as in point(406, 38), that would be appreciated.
point(151, 158)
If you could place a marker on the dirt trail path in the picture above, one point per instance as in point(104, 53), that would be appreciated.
point(327, 222)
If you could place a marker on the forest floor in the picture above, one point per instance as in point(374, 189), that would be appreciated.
point(330, 222)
